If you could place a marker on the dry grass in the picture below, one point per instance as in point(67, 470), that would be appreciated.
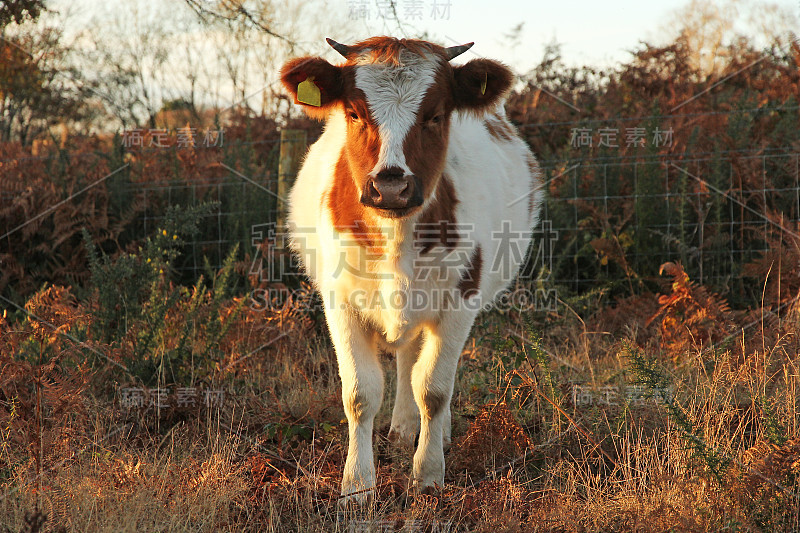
point(528, 454)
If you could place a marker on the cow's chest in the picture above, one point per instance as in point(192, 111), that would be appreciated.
point(397, 291)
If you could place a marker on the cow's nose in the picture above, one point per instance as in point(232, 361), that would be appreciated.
point(391, 188)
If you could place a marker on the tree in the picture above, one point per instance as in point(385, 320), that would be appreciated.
point(33, 94)
point(20, 11)
point(709, 29)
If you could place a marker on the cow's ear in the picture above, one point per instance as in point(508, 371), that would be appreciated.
point(315, 84)
point(480, 84)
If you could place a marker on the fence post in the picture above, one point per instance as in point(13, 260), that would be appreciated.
point(293, 148)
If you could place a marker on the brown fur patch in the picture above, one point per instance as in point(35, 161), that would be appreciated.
point(493, 130)
point(347, 213)
point(437, 225)
point(499, 128)
point(425, 145)
point(432, 403)
point(389, 49)
point(355, 405)
point(470, 280)
point(363, 144)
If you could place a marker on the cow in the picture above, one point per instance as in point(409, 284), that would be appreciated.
point(412, 211)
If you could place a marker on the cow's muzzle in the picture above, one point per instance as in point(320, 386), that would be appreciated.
point(393, 192)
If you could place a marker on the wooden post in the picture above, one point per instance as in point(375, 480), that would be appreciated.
point(293, 147)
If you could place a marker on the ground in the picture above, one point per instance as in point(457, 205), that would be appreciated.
point(616, 419)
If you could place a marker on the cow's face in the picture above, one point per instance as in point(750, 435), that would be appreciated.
point(397, 98)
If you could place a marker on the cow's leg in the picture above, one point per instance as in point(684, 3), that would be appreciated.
point(362, 393)
point(405, 415)
point(432, 379)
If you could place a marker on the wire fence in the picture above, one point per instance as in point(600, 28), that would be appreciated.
point(241, 204)
point(617, 221)
point(612, 220)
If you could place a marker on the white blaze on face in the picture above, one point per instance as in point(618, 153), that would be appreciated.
point(394, 95)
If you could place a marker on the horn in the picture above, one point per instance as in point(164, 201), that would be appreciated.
point(339, 47)
point(455, 51)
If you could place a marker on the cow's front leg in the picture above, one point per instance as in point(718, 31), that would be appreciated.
point(405, 415)
point(432, 379)
point(362, 393)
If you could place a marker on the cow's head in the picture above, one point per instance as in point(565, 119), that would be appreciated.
point(397, 97)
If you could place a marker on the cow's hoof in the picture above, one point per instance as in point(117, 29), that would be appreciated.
point(425, 489)
point(350, 512)
point(354, 510)
point(356, 500)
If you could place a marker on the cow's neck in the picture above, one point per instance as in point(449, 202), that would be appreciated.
point(398, 235)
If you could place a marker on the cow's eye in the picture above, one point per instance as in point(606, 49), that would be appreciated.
point(434, 121)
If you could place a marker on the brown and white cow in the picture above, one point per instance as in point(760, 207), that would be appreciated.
point(412, 211)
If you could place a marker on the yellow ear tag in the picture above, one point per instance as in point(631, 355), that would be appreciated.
point(308, 92)
point(483, 85)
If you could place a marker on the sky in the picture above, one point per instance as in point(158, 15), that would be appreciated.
point(590, 32)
